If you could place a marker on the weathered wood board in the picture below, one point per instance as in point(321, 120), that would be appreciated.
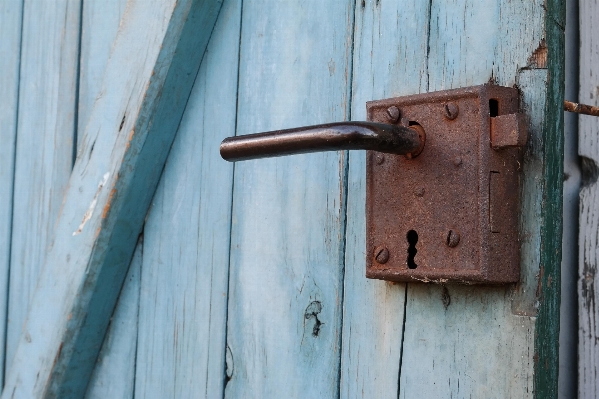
point(113, 376)
point(114, 372)
point(100, 21)
point(287, 235)
point(588, 149)
point(182, 315)
point(11, 13)
point(457, 341)
point(250, 281)
point(44, 156)
point(144, 91)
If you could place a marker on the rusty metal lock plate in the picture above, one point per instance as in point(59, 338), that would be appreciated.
point(449, 214)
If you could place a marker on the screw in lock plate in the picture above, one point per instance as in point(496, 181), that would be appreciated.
point(451, 111)
point(453, 239)
point(381, 255)
point(393, 114)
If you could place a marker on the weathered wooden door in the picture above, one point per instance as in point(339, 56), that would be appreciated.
point(248, 280)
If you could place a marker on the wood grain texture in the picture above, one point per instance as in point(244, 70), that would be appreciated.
point(144, 92)
point(182, 319)
point(547, 325)
point(114, 372)
point(373, 310)
point(482, 343)
point(588, 149)
point(11, 16)
point(100, 21)
point(287, 238)
point(44, 150)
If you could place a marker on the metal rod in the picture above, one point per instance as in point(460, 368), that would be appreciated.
point(581, 108)
point(329, 137)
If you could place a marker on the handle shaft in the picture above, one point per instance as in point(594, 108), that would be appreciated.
point(328, 137)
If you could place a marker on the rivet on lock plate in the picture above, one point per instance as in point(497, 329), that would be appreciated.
point(449, 211)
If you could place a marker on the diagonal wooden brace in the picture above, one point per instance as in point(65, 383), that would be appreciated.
point(146, 85)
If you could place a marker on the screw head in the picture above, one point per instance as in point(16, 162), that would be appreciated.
point(379, 159)
point(457, 161)
point(381, 255)
point(419, 192)
point(453, 239)
point(451, 111)
point(393, 114)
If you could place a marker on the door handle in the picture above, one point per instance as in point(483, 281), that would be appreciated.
point(442, 204)
point(381, 137)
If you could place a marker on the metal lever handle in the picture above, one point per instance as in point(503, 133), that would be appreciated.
point(380, 137)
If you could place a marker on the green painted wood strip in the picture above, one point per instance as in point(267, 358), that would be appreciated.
point(44, 151)
point(547, 338)
point(145, 89)
point(182, 316)
point(373, 310)
point(114, 372)
point(287, 239)
point(588, 149)
point(11, 15)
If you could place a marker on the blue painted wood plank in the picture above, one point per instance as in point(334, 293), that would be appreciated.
point(287, 239)
point(373, 310)
point(482, 343)
point(455, 342)
point(100, 21)
point(444, 352)
point(126, 141)
point(113, 375)
point(44, 151)
point(11, 14)
point(114, 372)
point(182, 316)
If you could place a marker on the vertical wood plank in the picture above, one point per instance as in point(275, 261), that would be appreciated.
point(182, 319)
point(547, 324)
point(479, 341)
point(100, 21)
point(44, 151)
point(131, 128)
point(287, 240)
point(482, 343)
point(114, 372)
point(387, 63)
point(588, 149)
point(11, 17)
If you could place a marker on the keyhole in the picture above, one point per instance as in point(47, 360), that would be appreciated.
point(412, 251)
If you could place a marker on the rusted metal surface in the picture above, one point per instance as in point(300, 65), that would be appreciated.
point(383, 137)
point(581, 108)
point(449, 214)
point(508, 131)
